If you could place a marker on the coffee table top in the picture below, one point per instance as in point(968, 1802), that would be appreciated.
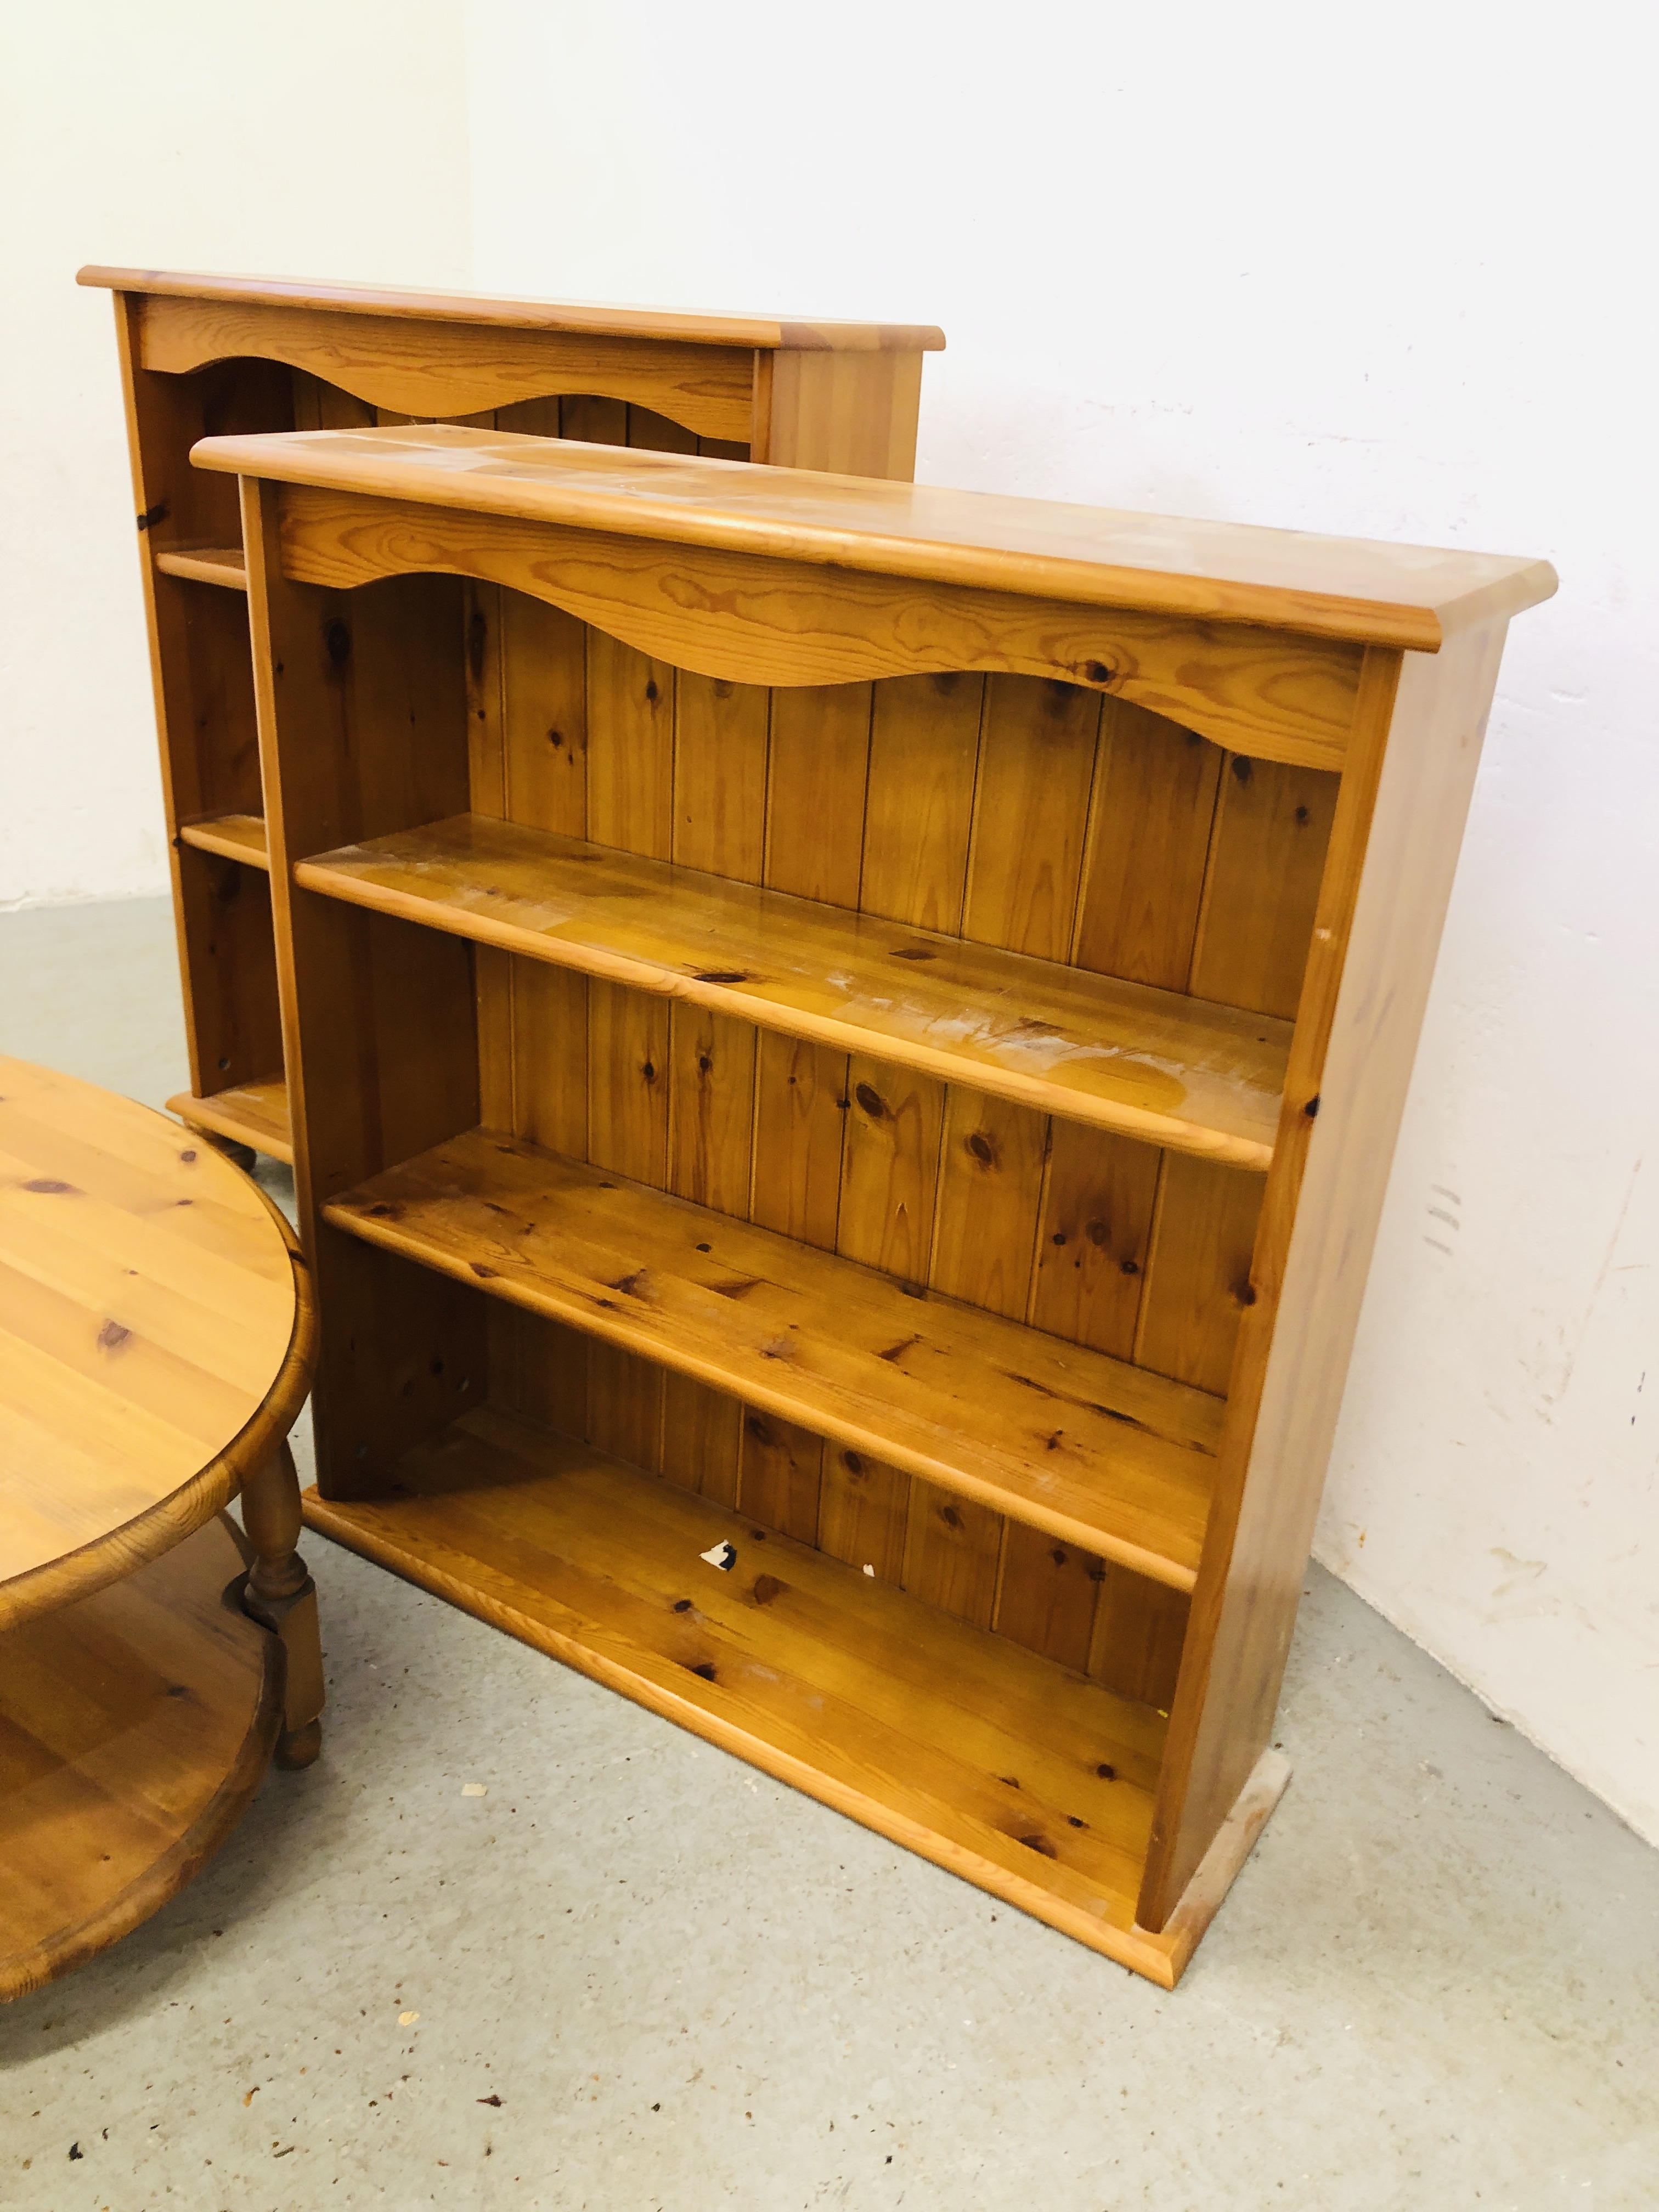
point(156, 1336)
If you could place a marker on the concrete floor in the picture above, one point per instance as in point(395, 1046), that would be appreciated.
point(1436, 1984)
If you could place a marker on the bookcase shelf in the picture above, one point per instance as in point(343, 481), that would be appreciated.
point(206, 564)
point(1175, 1071)
point(253, 1113)
point(993, 1306)
point(203, 353)
point(234, 836)
point(1038, 1785)
point(1096, 1451)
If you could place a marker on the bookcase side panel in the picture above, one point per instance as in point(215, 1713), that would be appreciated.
point(854, 413)
point(204, 689)
point(1388, 880)
point(363, 728)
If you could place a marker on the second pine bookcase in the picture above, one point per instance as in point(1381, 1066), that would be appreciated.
point(204, 354)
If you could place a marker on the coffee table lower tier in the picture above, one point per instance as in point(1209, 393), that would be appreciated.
point(135, 1728)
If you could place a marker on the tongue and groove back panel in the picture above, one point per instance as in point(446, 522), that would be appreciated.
point(1012, 810)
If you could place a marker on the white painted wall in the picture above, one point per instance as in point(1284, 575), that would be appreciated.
point(315, 139)
point(1370, 274)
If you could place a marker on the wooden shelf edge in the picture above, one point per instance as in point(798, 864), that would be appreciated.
point(704, 978)
point(611, 1309)
point(253, 1113)
point(575, 318)
point(371, 1530)
point(224, 565)
point(234, 836)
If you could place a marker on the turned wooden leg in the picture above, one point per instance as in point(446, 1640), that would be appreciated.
point(282, 1595)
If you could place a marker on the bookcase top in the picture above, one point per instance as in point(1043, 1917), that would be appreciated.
point(767, 333)
point(1361, 590)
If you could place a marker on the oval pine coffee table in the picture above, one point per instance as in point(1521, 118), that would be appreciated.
point(156, 1342)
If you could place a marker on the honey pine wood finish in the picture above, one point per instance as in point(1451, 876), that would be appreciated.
point(865, 1025)
point(136, 1726)
point(201, 354)
point(157, 1336)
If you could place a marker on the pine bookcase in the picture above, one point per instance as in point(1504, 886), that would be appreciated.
point(845, 1041)
point(205, 355)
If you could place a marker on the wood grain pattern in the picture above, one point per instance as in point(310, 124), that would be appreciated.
point(1093, 1236)
point(428, 368)
point(630, 800)
point(721, 742)
point(1149, 844)
point(990, 1186)
point(781, 1469)
point(864, 1506)
point(409, 356)
point(319, 405)
point(1119, 762)
point(820, 768)
point(854, 412)
point(253, 1113)
point(591, 419)
point(887, 1218)
point(755, 618)
point(227, 933)
point(657, 433)
point(1139, 1635)
point(953, 1552)
point(364, 716)
point(204, 702)
point(631, 748)
point(539, 1367)
point(626, 1405)
point(1178, 1070)
point(492, 310)
point(1037, 766)
point(233, 836)
point(711, 1062)
point(1351, 589)
point(206, 564)
point(1267, 859)
point(543, 654)
point(551, 1057)
point(924, 749)
point(819, 1673)
point(815, 1339)
point(1198, 1272)
point(1046, 1596)
point(1388, 878)
point(628, 1083)
point(156, 1336)
point(800, 1125)
point(136, 1726)
point(890, 1169)
point(710, 1158)
point(702, 1437)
